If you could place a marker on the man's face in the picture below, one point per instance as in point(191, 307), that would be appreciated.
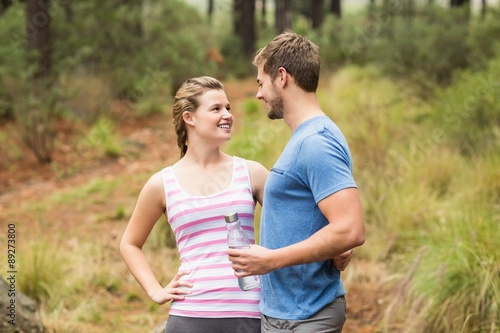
point(270, 94)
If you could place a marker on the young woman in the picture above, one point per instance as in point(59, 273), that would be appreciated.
point(195, 193)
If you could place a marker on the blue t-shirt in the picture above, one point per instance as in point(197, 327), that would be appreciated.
point(315, 163)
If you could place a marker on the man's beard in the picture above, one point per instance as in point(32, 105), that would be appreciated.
point(277, 107)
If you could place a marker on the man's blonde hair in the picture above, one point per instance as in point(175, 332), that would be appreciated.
point(298, 55)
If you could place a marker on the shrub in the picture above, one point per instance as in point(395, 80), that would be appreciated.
point(483, 38)
point(88, 97)
point(468, 112)
point(426, 49)
point(37, 108)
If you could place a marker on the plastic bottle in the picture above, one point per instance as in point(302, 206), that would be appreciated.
point(238, 239)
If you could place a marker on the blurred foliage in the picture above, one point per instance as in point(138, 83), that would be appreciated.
point(12, 55)
point(37, 108)
point(102, 134)
point(87, 97)
point(424, 47)
point(483, 38)
point(258, 138)
point(142, 51)
point(468, 111)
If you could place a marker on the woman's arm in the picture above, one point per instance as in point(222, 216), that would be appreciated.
point(150, 206)
point(258, 175)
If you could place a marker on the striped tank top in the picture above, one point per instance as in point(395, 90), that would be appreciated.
point(200, 231)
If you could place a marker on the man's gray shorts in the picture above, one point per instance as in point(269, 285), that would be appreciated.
point(330, 319)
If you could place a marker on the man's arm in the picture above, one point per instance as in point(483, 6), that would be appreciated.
point(345, 231)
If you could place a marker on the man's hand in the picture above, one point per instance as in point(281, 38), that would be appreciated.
point(342, 260)
point(256, 260)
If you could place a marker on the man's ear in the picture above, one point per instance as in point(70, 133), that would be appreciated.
point(282, 76)
point(188, 118)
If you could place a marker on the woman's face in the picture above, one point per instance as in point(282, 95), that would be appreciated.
point(213, 119)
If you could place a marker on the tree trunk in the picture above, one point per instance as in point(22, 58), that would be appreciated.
point(465, 4)
point(483, 8)
point(244, 24)
point(4, 4)
point(68, 11)
point(371, 8)
point(263, 4)
point(38, 36)
point(317, 13)
point(210, 10)
point(459, 3)
point(283, 15)
point(336, 7)
point(134, 23)
point(409, 9)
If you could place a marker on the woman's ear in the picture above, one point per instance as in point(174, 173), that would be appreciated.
point(188, 118)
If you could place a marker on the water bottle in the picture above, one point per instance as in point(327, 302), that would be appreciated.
point(238, 239)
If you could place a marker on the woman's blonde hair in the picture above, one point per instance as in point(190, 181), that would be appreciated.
point(187, 99)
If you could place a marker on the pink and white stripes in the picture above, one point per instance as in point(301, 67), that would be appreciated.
point(200, 230)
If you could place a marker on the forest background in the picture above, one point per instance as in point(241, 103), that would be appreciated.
point(85, 90)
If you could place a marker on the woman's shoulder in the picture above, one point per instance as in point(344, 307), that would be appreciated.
point(255, 167)
point(155, 181)
point(251, 164)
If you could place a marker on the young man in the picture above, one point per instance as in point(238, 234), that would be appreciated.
point(312, 210)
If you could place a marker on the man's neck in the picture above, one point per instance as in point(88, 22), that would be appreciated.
point(301, 109)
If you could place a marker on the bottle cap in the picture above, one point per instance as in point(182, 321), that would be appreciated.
point(231, 217)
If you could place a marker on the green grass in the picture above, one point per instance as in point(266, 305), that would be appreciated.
point(102, 134)
point(99, 190)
